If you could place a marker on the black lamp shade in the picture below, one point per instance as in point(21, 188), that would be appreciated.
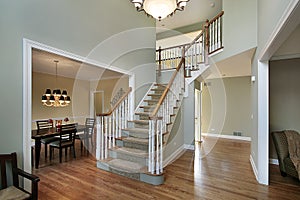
point(61, 99)
point(57, 92)
point(52, 99)
point(44, 98)
point(68, 99)
point(64, 93)
point(48, 92)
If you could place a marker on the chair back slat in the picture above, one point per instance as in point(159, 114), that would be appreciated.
point(68, 132)
point(89, 125)
point(8, 159)
point(44, 124)
point(3, 173)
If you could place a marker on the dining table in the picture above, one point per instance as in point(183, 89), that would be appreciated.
point(37, 135)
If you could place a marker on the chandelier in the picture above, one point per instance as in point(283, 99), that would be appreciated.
point(57, 98)
point(159, 9)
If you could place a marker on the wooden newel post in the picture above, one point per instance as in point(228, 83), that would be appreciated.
point(206, 47)
point(159, 61)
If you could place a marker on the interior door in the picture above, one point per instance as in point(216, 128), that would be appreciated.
point(198, 106)
point(97, 106)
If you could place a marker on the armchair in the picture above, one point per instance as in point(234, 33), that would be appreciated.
point(286, 165)
point(8, 162)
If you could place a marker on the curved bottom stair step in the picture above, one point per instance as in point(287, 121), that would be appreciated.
point(126, 166)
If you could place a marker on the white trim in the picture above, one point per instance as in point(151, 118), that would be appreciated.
point(284, 57)
point(144, 98)
point(37, 45)
point(263, 122)
point(273, 161)
point(27, 82)
point(189, 146)
point(173, 156)
point(233, 137)
point(265, 53)
point(254, 167)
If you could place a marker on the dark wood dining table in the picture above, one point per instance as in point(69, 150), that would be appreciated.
point(37, 135)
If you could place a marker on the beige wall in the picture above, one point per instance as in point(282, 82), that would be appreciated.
point(284, 97)
point(76, 111)
point(238, 106)
point(110, 88)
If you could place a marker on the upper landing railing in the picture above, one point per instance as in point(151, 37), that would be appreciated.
point(206, 43)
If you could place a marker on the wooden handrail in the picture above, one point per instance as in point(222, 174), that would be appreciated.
point(164, 94)
point(215, 18)
point(117, 104)
point(195, 40)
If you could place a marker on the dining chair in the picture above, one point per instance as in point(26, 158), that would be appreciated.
point(43, 125)
point(66, 139)
point(87, 134)
point(10, 186)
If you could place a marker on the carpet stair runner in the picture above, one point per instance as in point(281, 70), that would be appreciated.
point(130, 156)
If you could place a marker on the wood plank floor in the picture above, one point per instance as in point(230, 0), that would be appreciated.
point(225, 173)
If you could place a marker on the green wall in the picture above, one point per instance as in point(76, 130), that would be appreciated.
point(238, 106)
point(239, 27)
point(73, 26)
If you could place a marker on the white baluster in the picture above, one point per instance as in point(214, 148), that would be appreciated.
point(157, 147)
point(109, 131)
point(161, 150)
point(105, 137)
point(113, 129)
point(102, 138)
point(98, 139)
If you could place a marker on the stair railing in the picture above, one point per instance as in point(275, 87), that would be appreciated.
point(207, 42)
point(110, 124)
point(214, 30)
point(161, 117)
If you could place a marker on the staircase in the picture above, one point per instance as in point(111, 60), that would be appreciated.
point(130, 155)
point(132, 144)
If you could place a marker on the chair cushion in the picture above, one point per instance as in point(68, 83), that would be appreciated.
point(13, 193)
point(63, 143)
point(50, 139)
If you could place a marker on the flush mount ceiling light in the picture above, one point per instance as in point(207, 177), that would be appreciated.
point(57, 98)
point(159, 9)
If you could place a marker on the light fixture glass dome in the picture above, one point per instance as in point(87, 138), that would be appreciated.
point(160, 9)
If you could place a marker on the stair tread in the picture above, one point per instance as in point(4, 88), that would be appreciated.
point(142, 113)
point(153, 100)
point(137, 130)
point(140, 121)
point(152, 106)
point(137, 140)
point(131, 151)
point(125, 165)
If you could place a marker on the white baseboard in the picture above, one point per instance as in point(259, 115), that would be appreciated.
point(254, 167)
point(233, 137)
point(173, 156)
point(274, 161)
point(189, 146)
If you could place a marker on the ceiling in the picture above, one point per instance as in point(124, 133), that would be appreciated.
point(195, 11)
point(234, 66)
point(43, 62)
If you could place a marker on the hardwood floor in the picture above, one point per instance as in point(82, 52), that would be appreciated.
point(225, 173)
